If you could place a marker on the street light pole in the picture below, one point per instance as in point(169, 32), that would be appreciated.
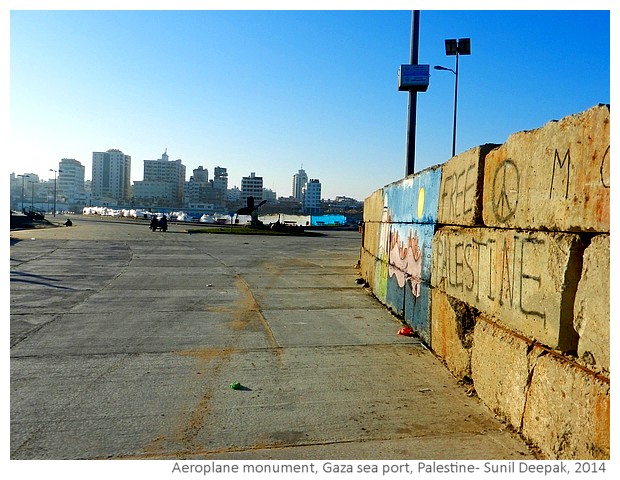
point(413, 95)
point(456, 83)
point(454, 47)
point(52, 170)
point(456, 89)
point(23, 176)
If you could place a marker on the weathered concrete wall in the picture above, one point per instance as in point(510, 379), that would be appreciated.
point(462, 180)
point(592, 312)
point(527, 279)
point(553, 178)
point(452, 337)
point(499, 260)
point(567, 412)
point(556, 403)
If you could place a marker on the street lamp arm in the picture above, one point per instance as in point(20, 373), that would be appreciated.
point(439, 67)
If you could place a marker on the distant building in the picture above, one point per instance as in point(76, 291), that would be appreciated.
point(299, 182)
point(200, 174)
point(220, 179)
point(252, 186)
point(194, 190)
point(70, 181)
point(233, 195)
point(163, 182)
point(288, 205)
point(154, 193)
point(200, 190)
point(269, 195)
point(312, 197)
point(111, 175)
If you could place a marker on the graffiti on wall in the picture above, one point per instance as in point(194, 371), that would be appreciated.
point(568, 176)
point(605, 169)
point(493, 271)
point(561, 164)
point(405, 260)
point(505, 190)
point(562, 170)
point(458, 192)
point(415, 199)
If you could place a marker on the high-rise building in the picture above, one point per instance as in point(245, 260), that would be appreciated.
point(220, 178)
point(195, 189)
point(70, 182)
point(163, 182)
point(233, 195)
point(299, 182)
point(269, 195)
point(111, 175)
point(200, 175)
point(252, 186)
point(312, 196)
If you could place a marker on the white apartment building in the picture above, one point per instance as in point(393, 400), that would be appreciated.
point(200, 175)
point(233, 194)
point(70, 181)
point(299, 182)
point(312, 196)
point(154, 193)
point(220, 178)
point(193, 189)
point(252, 186)
point(163, 179)
point(111, 175)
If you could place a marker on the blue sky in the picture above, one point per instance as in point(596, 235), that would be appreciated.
point(269, 91)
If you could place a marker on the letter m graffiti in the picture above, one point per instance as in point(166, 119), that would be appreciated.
point(558, 165)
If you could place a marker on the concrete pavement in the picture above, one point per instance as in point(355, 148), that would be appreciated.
point(125, 343)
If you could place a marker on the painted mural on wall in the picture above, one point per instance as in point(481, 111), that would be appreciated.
point(402, 276)
point(406, 260)
point(414, 199)
point(409, 206)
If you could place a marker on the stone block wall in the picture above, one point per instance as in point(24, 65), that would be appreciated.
point(499, 260)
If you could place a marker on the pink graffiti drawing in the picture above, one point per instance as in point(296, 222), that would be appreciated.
point(406, 261)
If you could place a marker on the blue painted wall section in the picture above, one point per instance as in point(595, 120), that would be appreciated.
point(407, 229)
point(414, 199)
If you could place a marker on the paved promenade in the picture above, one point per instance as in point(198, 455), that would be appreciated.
point(125, 343)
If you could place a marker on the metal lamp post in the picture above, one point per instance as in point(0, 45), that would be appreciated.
point(55, 172)
point(454, 47)
point(23, 176)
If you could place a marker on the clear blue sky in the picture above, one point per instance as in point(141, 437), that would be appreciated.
point(268, 91)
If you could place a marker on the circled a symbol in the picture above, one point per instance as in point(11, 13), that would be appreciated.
point(505, 190)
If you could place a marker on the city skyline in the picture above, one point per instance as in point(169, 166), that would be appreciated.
point(162, 186)
point(189, 174)
point(266, 91)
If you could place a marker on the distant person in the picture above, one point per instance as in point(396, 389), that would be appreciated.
point(68, 223)
point(164, 223)
point(154, 223)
